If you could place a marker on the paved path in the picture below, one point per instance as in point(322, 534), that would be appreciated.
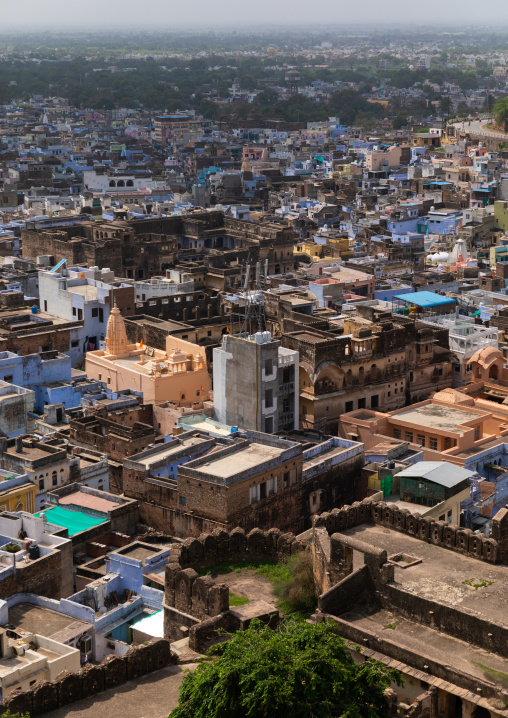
point(151, 696)
point(477, 127)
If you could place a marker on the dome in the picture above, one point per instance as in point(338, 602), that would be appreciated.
point(486, 356)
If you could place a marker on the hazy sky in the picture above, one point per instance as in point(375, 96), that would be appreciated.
point(164, 13)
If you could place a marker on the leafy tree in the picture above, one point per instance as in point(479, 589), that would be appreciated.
point(501, 110)
point(299, 670)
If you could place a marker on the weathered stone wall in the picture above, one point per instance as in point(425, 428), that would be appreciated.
point(69, 687)
point(454, 538)
point(236, 546)
point(190, 599)
point(422, 661)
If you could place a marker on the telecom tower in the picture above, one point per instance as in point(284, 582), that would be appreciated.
point(253, 317)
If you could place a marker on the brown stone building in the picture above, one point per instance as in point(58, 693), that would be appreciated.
point(379, 361)
point(118, 433)
point(195, 484)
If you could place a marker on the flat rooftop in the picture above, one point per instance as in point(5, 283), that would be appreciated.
point(437, 417)
point(241, 460)
point(138, 551)
point(87, 291)
point(208, 427)
point(162, 455)
point(441, 573)
point(88, 501)
point(34, 619)
point(467, 658)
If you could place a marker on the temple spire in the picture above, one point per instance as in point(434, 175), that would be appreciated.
point(116, 336)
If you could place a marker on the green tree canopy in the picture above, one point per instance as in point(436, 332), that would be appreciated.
point(299, 670)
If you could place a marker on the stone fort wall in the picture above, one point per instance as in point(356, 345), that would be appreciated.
point(454, 538)
point(69, 687)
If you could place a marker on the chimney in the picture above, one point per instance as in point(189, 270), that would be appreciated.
point(18, 442)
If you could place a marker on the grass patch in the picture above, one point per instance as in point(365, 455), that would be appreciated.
point(236, 600)
point(492, 672)
point(271, 570)
point(293, 582)
point(477, 583)
point(390, 625)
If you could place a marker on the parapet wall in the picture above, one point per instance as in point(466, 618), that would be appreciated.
point(69, 687)
point(454, 538)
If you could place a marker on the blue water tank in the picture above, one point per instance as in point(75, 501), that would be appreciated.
point(35, 309)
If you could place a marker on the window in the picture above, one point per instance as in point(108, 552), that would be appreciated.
point(410, 376)
point(262, 490)
point(183, 500)
point(100, 377)
point(361, 403)
point(45, 306)
point(433, 443)
point(80, 314)
point(476, 433)
point(268, 366)
point(286, 405)
point(408, 436)
point(41, 485)
point(349, 406)
point(8, 378)
point(469, 368)
point(101, 314)
point(456, 368)
point(396, 391)
point(269, 424)
point(396, 433)
point(95, 312)
point(374, 401)
point(268, 398)
point(73, 311)
point(420, 439)
point(74, 344)
point(285, 482)
point(54, 478)
point(209, 333)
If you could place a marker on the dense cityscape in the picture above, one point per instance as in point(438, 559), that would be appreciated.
point(254, 373)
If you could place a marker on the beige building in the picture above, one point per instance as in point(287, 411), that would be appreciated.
point(178, 374)
point(33, 658)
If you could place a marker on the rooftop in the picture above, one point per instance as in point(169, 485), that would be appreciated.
point(424, 299)
point(439, 472)
point(241, 460)
point(436, 417)
point(88, 501)
point(34, 619)
point(441, 573)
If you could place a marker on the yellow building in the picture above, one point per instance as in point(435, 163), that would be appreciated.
point(17, 493)
point(313, 251)
point(501, 215)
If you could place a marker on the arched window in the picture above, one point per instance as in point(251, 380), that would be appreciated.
point(112, 183)
point(120, 183)
point(130, 183)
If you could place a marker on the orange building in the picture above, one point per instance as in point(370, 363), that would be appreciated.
point(178, 374)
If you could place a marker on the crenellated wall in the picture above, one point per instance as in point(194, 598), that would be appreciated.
point(454, 538)
point(190, 599)
point(69, 687)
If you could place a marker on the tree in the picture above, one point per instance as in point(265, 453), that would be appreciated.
point(299, 670)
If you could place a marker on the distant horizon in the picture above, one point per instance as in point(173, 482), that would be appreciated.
point(159, 15)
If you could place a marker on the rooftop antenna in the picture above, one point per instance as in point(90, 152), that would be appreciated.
point(252, 319)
